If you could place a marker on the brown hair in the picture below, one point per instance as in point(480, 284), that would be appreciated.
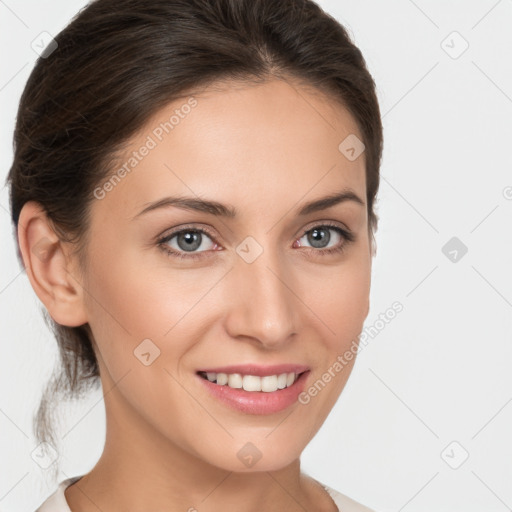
point(115, 65)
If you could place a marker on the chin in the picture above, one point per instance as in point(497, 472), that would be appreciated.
point(251, 457)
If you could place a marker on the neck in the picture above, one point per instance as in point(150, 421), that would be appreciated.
point(142, 470)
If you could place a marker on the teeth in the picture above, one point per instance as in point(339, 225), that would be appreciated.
point(251, 383)
point(267, 384)
point(235, 380)
point(281, 380)
point(222, 379)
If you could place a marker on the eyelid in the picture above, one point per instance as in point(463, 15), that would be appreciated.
point(326, 223)
point(186, 227)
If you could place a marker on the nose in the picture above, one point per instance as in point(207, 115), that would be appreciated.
point(262, 303)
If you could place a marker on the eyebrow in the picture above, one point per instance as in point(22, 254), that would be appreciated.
point(222, 210)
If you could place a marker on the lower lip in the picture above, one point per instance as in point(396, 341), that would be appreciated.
point(257, 402)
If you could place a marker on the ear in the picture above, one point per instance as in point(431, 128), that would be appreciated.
point(51, 268)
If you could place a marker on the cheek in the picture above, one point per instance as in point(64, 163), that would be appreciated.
point(126, 291)
point(339, 297)
point(340, 307)
point(138, 296)
point(138, 315)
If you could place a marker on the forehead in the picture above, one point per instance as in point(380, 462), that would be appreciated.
point(244, 143)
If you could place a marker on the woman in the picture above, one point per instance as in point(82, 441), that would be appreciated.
point(193, 190)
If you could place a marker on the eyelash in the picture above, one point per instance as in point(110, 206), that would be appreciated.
point(347, 235)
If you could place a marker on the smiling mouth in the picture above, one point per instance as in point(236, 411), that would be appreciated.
point(252, 383)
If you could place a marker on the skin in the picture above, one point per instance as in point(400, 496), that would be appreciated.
point(265, 149)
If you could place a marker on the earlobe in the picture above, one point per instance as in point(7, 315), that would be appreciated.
point(50, 267)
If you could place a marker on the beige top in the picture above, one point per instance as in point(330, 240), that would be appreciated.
point(57, 501)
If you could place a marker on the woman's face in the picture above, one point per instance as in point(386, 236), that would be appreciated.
point(258, 287)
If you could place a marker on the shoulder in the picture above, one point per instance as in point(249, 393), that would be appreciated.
point(56, 502)
point(344, 503)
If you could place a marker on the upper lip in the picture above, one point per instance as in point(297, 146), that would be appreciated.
point(258, 370)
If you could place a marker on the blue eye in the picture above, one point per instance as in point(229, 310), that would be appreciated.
point(186, 242)
point(320, 236)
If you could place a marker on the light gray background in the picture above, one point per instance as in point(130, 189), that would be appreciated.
point(436, 374)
